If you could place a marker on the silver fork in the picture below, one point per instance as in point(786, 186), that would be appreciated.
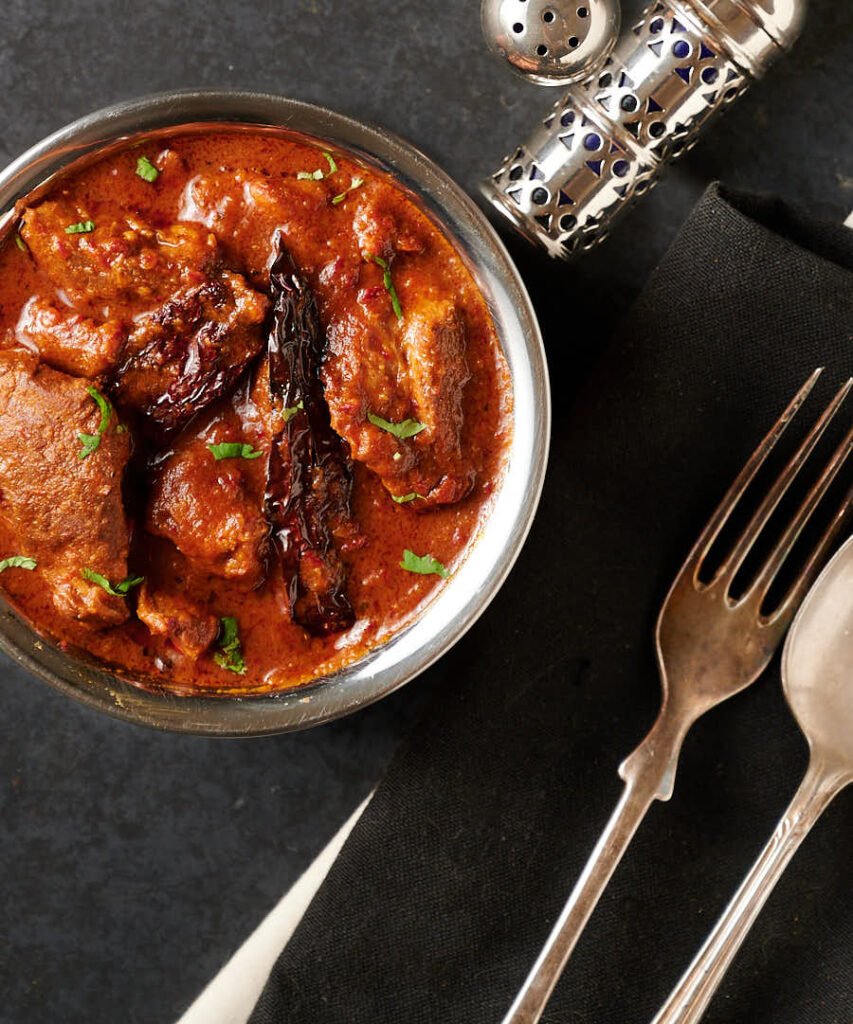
point(709, 647)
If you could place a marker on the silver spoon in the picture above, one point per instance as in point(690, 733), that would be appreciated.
point(552, 42)
point(817, 677)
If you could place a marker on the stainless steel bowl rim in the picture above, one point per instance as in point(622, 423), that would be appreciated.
point(467, 594)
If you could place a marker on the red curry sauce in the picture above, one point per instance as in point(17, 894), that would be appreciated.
point(247, 189)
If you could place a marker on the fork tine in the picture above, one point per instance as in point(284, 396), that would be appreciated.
point(721, 515)
point(781, 616)
point(767, 574)
point(756, 524)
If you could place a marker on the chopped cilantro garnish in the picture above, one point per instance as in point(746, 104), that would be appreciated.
point(91, 442)
point(389, 284)
point(319, 174)
point(403, 498)
point(230, 653)
point(426, 565)
point(21, 244)
point(355, 183)
point(146, 170)
point(82, 227)
point(288, 413)
point(233, 450)
point(408, 428)
point(120, 589)
point(17, 562)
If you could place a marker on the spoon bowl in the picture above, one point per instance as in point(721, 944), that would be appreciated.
point(817, 663)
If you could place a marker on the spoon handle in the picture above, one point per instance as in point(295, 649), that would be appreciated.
point(691, 996)
point(648, 775)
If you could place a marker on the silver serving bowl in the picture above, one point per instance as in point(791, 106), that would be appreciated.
point(467, 594)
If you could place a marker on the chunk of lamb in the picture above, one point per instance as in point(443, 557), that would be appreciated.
point(174, 615)
point(240, 205)
point(415, 371)
point(211, 511)
point(121, 260)
point(381, 231)
point(194, 326)
point(184, 355)
point(67, 510)
point(68, 341)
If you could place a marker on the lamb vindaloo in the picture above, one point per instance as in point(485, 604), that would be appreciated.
point(253, 411)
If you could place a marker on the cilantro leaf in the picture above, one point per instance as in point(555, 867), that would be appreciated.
point(403, 498)
point(17, 562)
point(146, 170)
point(319, 174)
point(91, 442)
point(354, 184)
point(426, 565)
point(288, 413)
point(233, 450)
point(408, 428)
point(120, 589)
point(389, 284)
point(230, 653)
point(83, 227)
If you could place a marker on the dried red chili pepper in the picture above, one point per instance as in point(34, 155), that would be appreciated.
point(310, 474)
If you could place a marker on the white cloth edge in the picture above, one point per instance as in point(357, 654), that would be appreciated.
point(231, 995)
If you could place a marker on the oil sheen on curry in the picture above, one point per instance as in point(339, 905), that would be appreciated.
point(253, 411)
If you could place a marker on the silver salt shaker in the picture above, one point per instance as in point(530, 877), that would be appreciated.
point(552, 42)
point(606, 141)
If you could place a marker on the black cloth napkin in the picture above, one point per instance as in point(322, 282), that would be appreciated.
point(442, 896)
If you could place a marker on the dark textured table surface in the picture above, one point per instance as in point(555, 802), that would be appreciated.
point(134, 863)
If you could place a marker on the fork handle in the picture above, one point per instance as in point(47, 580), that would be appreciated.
point(693, 993)
point(648, 775)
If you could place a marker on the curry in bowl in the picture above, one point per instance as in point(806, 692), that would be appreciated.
point(253, 411)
